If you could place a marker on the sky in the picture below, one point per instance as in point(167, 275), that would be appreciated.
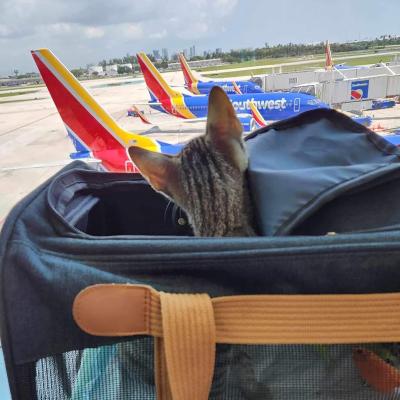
point(81, 32)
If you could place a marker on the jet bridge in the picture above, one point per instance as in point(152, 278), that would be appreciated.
point(353, 94)
point(350, 89)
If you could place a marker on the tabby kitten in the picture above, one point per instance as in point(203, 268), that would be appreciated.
point(207, 179)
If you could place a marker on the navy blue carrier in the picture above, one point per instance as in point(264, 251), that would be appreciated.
point(326, 193)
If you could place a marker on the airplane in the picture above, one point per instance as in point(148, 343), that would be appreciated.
point(272, 105)
point(203, 87)
point(94, 133)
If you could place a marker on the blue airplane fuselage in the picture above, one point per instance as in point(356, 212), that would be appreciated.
point(244, 86)
point(272, 105)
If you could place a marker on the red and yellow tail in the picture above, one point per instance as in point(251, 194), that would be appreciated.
point(257, 115)
point(328, 56)
point(171, 101)
point(156, 84)
point(236, 88)
point(143, 118)
point(85, 120)
point(190, 79)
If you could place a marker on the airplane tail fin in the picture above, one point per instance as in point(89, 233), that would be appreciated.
point(156, 84)
point(190, 79)
point(143, 118)
point(257, 115)
point(236, 88)
point(90, 127)
point(328, 56)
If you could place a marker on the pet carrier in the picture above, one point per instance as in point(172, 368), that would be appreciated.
point(105, 294)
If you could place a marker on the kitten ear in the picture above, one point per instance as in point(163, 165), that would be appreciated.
point(160, 170)
point(222, 122)
point(224, 128)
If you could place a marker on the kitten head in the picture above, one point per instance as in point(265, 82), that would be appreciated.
point(207, 178)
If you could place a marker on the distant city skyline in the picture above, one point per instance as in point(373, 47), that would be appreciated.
point(82, 32)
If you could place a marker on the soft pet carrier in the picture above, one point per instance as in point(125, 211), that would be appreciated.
point(106, 295)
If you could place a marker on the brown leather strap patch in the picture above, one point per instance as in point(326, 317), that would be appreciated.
point(113, 310)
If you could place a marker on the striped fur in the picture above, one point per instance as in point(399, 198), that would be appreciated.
point(215, 194)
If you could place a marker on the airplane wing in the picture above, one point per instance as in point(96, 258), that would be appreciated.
point(177, 122)
point(147, 121)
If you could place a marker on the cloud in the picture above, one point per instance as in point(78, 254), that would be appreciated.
point(60, 28)
point(120, 26)
point(87, 31)
point(92, 32)
point(152, 17)
point(193, 31)
point(5, 31)
point(158, 35)
point(132, 31)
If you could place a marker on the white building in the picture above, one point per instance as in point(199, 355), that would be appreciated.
point(192, 51)
point(164, 52)
point(126, 66)
point(96, 70)
point(112, 70)
point(156, 55)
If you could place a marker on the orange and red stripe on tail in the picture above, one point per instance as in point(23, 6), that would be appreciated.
point(190, 79)
point(171, 101)
point(328, 56)
point(140, 115)
point(236, 88)
point(257, 115)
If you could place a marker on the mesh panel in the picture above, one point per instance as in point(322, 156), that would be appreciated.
point(304, 372)
point(125, 371)
point(121, 371)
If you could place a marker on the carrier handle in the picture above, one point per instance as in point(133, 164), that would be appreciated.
point(187, 326)
point(186, 354)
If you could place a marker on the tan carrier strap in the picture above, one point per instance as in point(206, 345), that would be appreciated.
point(186, 327)
point(189, 344)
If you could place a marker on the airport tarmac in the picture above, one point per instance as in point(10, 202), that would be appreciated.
point(32, 134)
point(34, 144)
